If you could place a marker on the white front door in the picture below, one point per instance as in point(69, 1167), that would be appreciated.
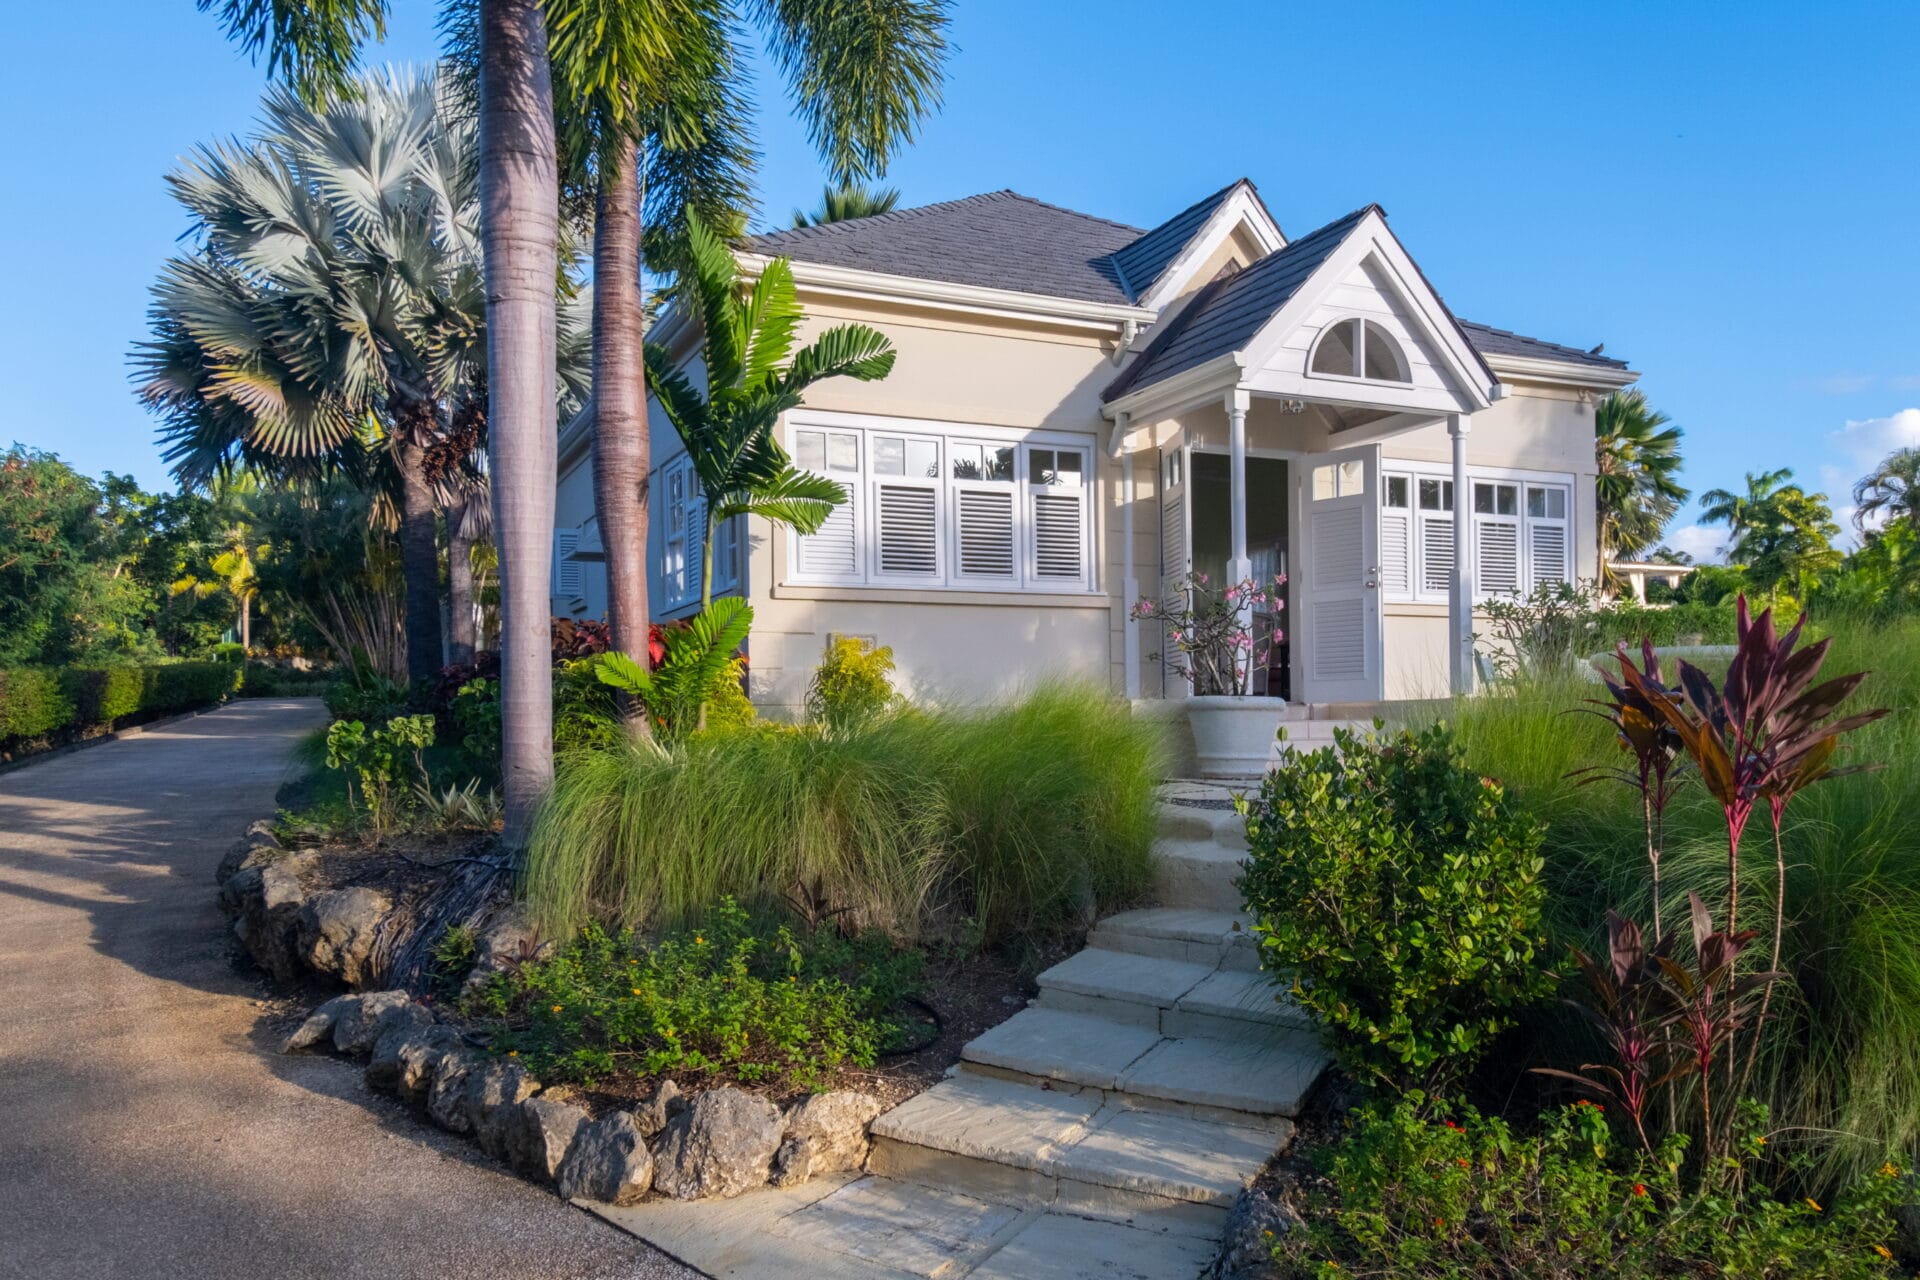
point(1336, 631)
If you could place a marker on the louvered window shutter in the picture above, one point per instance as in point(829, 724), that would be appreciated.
point(696, 518)
point(832, 551)
point(1396, 553)
point(569, 576)
point(1057, 483)
point(1436, 554)
point(908, 531)
point(1496, 556)
point(985, 535)
point(1549, 541)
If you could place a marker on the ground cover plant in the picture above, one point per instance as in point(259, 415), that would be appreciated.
point(1837, 1061)
point(998, 821)
point(1427, 1191)
point(727, 998)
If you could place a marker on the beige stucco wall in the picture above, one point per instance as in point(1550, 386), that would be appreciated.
point(1037, 375)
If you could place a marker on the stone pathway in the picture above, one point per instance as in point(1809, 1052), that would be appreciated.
point(150, 1130)
point(1103, 1132)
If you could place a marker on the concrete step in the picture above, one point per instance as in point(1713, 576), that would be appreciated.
point(1180, 933)
point(1224, 1002)
point(1119, 985)
point(1069, 1148)
point(1260, 1071)
point(1185, 822)
point(1197, 874)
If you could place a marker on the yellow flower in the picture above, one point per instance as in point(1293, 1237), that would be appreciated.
point(513, 1053)
point(636, 991)
point(1884, 1252)
point(556, 1008)
point(791, 978)
point(1814, 1205)
point(699, 940)
point(1888, 1171)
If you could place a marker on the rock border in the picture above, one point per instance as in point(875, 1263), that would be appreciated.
point(714, 1145)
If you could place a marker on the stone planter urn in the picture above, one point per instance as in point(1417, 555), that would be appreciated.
point(1233, 737)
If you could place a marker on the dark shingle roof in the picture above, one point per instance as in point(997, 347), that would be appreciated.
point(1142, 263)
point(1001, 240)
point(1489, 341)
point(1225, 315)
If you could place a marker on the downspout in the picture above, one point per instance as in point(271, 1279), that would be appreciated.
point(1130, 582)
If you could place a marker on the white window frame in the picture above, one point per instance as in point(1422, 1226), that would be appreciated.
point(1522, 481)
point(679, 571)
point(1362, 325)
point(865, 494)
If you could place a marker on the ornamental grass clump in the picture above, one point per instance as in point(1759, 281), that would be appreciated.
point(1398, 892)
point(1837, 1059)
point(993, 822)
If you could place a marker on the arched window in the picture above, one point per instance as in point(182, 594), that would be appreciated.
point(1359, 349)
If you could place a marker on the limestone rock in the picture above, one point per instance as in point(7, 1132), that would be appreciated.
point(336, 932)
point(447, 1095)
point(494, 1088)
point(508, 939)
point(399, 1027)
point(265, 901)
point(416, 1058)
point(720, 1146)
point(319, 1024)
point(362, 1021)
point(608, 1161)
point(793, 1162)
point(539, 1133)
point(248, 851)
point(832, 1127)
point(1254, 1224)
point(666, 1103)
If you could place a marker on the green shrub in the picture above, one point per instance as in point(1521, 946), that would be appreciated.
point(32, 702)
point(380, 759)
point(1840, 1065)
point(852, 684)
point(1430, 1193)
point(102, 695)
point(726, 998)
point(184, 686)
point(366, 695)
point(476, 714)
point(1018, 818)
point(1399, 892)
point(270, 680)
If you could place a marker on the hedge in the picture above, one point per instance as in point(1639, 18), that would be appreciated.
point(37, 701)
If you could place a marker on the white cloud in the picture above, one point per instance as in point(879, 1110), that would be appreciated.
point(1698, 541)
point(1844, 384)
point(1857, 448)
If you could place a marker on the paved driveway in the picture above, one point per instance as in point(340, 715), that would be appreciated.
point(146, 1127)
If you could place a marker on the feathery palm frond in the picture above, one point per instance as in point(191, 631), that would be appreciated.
point(1892, 488)
point(847, 202)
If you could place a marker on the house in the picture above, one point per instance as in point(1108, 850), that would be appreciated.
point(1083, 410)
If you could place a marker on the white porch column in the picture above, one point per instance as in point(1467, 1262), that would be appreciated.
point(1130, 581)
point(1460, 599)
point(1239, 567)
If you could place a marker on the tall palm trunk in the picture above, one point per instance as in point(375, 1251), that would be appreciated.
point(519, 230)
point(459, 585)
point(620, 443)
point(246, 622)
point(419, 557)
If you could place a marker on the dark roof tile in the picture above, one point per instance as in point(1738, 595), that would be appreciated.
point(1489, 341)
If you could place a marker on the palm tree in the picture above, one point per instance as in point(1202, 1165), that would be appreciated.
point(1743, 513)
point(654, 109)
point(1638, 456)
point(754, 375)
point(332, 315)
point(847, 202)
point(314, 44)
point(1892, 488)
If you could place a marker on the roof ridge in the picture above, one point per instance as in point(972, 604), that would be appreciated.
point(1209, 197)
point(820, 230)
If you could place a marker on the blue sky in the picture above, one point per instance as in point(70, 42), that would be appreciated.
point(1729, 204)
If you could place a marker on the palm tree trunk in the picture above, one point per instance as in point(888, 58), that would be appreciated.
point(459, 586)
point(419, 560)
point(620, 442)
point(519, 230)
point(246, 622)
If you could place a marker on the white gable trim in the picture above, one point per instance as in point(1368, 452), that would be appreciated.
point(850, 282)
point(1371, 238)
point(1240, 209)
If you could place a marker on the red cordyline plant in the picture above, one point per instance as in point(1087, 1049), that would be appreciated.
point(1643, 733)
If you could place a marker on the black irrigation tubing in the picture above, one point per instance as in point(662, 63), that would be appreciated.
point(939, 1027)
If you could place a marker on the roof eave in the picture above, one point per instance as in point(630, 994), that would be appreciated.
point(852, 282)
point(1568, 373)
point(1170, 394)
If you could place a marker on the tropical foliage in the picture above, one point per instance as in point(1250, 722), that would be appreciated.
point(1637, 452)
point(753, 375)
point(847, 202)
